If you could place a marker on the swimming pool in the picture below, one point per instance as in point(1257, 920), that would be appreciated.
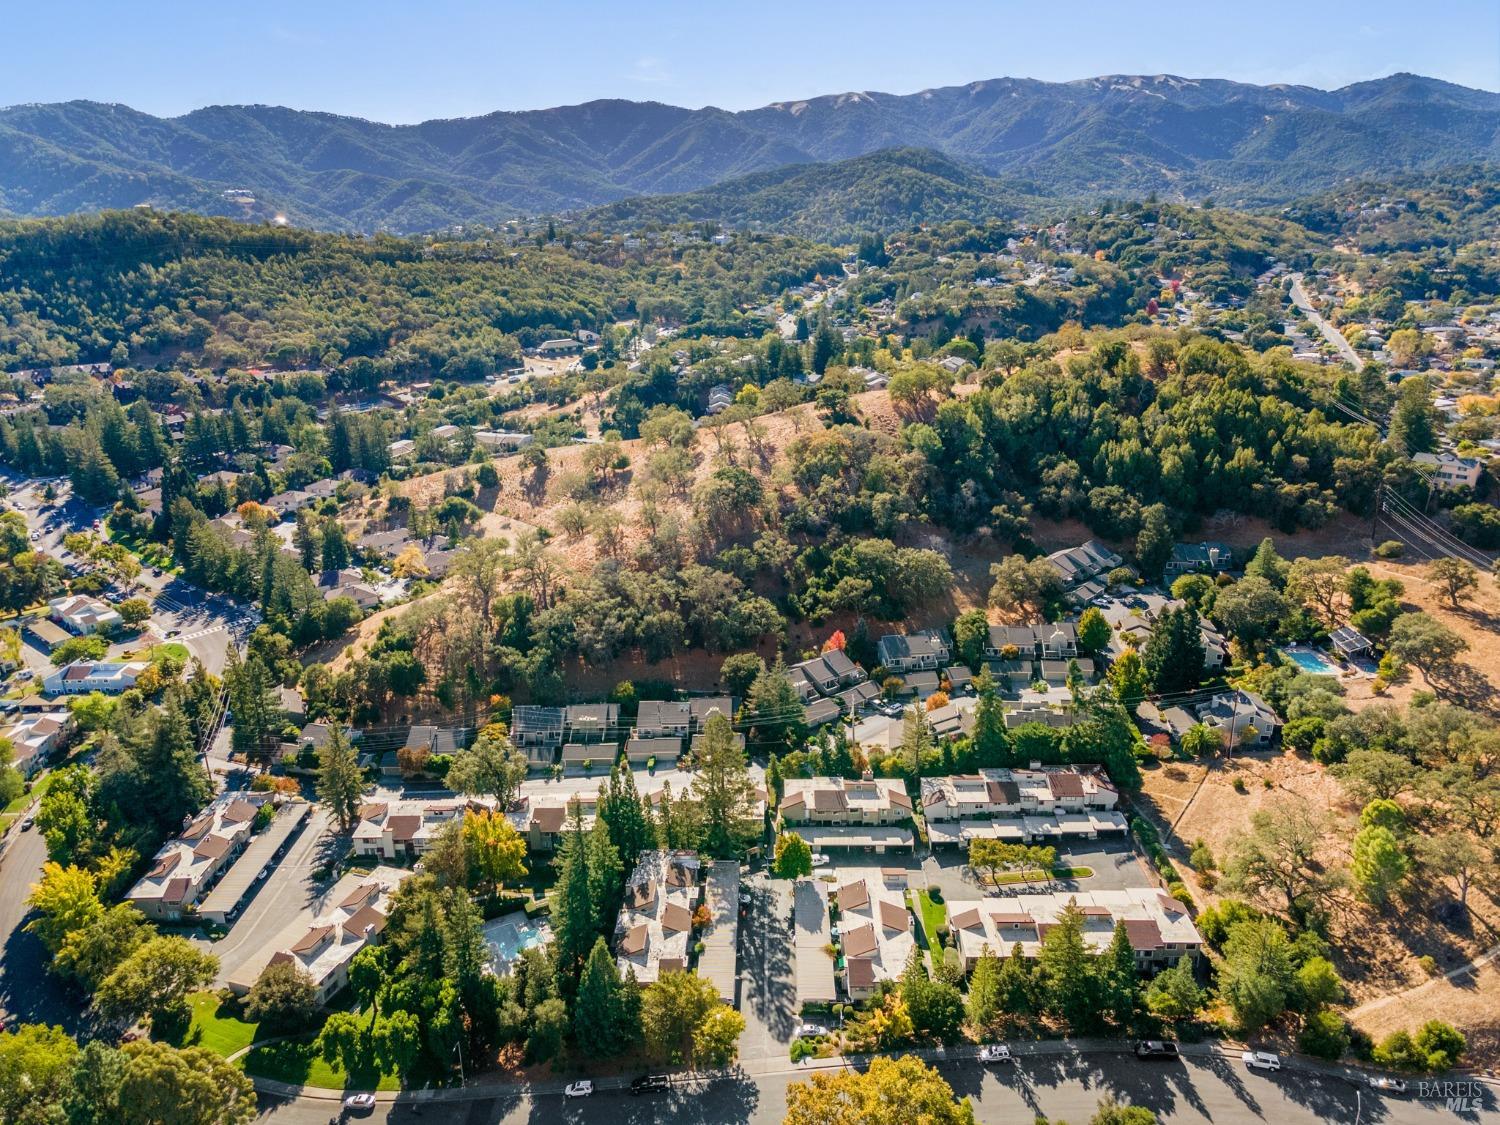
point(1310, 660)
point(509, 935)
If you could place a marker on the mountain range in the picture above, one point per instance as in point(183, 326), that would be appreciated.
point(1114, 135)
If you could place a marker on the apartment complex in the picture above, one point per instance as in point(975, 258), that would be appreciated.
point(323, 939)
point(653, 934)
point(189, 864)
point(834, 812)
point(1159, 927)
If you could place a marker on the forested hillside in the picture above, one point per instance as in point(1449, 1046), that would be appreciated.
point(145, 287)
point(837, 202)
point(1185, 138)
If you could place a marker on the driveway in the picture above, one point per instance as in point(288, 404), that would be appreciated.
point(288, 890)
point(1114, 863)
point(767, 981)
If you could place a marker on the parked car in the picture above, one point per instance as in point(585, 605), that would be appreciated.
point(1261, 1060)
point(579, 1089)
point(26, 824)
point(995, 1053)
point(811, 1031)
point(1387, 1085)
point(360, 1101)
point(820, 860)
point(649, 1083)
point(1156, 1049)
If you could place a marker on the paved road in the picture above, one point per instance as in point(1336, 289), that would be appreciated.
point(1330, 333)
point(28, 992)
point(289, 889)
point(1199, 1090)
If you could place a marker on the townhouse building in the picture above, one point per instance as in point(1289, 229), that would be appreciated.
point(187, 866)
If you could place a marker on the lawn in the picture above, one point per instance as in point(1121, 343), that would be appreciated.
point(297, 1063)
point(11, 811)
point(932, 914)
point(216, 1025)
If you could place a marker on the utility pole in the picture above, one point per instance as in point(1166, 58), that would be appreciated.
point(1375, 519)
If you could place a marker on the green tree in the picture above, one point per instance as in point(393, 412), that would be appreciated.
point(777, 720)
point(1129, 678)
point(887, 1092)
point(67, 901)
point(1121, 980)
point(623, 813)
point(1379, 866)
point(1068, 976)
point(971, 632)
point(492, 767)
point(1173, 656)
point(1251, 610)
point(985, 1003)
point(601, 1019)
point(283, 998)
point(154, 982)
point(1202, 741)
point(1154, 541)
point(716, 1038)
point(1094, 631)
point(1456, 578)
point(723, 789)
point(1174, 993)
point(193, 1086)
point(739, 672)
point(340, 783)
point(1257, 979)
point(91, 953)
point(1266, 564)
point(793, 857)
point(1278, 856)
point(672, 1010)
point(496, 850)
point(36, 1064)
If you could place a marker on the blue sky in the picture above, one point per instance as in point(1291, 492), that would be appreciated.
point(408, 61)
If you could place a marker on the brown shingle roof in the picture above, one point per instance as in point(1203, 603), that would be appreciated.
point(1066, 784)
point(211, 847)
point(861, 972)
point(894, 917)
point(165, 865)
point(176, 890)
point(671, 965)
point(359, 896)
point(965, 919)
point(829, 800)
point(634, 940)
point(1144, 934)
point(860, 942)
point(366, 917)
point(1012, 918)
point(312, 939)
point(238, 811)
point(638, 895)
point(676, 918)
point(404, 827)
point(1003, 792)
point(549, 818)
point(853, 896)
